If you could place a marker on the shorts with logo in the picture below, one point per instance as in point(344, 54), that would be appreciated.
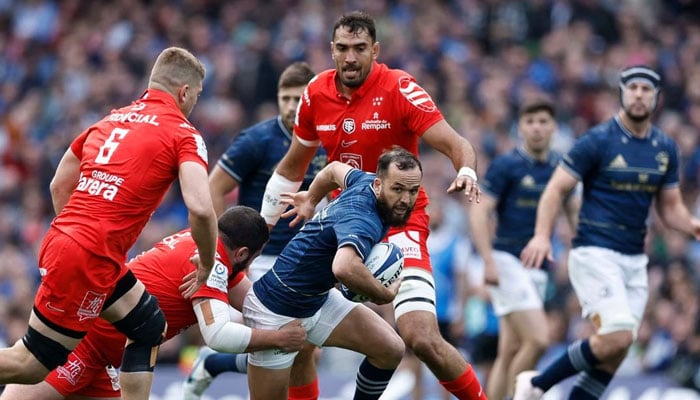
point(612, 287)
point(318, 327)
point(88, 371)
point(74, 282)
point(519, 288)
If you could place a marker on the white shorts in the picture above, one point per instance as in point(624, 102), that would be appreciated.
point(610, 286)
point(417, 292)
point(519, 288)
point(318, 327)
point(260, 265)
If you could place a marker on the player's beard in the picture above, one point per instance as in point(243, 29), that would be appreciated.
point(637, 117)
point(386, 212)
point(355, 82)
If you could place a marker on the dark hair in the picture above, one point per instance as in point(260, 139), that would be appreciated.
point(356, 22)
point(242, 226)
point(402, 158)
point(537, 105)
point(295, 75)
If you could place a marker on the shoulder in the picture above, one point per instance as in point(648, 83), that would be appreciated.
point(662, 137)
point(320, 83)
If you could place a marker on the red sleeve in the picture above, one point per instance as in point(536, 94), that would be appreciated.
point(77, 145)
point(416, 104)
point(191, 147)
point(304, 121)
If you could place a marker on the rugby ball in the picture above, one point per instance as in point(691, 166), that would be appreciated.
point(385, 261)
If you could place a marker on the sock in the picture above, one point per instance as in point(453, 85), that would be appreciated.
point(578, 357)
point(309, 391)
point(590, 385)
point(371, 381)
point(466, 386)
point(226, 362)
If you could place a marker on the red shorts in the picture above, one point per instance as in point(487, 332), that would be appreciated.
point(86, 372)
point(74, 282)
point(413, 240)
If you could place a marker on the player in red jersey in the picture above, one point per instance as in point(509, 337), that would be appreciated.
point(90, 372)
point(105, 189)
point(356, 111)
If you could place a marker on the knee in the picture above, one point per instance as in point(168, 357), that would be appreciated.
point(538, 343)
point(424, 346)
point(394, 352)
point(145, 326)
point(612, 346)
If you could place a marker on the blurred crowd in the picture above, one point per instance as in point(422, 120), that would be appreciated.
point(64, 64)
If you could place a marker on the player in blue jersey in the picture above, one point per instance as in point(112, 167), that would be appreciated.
point(330, 248)
point(511, 189)
point(247, 165)
point(624, 164)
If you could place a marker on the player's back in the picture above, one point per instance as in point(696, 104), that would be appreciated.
point(128, 160)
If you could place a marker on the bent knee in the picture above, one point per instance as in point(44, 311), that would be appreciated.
point(612, 345)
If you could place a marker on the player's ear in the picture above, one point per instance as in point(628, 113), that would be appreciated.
point(375, 50)
point(377, 186)
point(241, 254)
point(182, 93)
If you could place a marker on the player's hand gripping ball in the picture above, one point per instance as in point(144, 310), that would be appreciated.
point(385, 262)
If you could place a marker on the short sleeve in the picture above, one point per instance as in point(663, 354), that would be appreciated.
point(242, 158)
point(583, 156)
point(495, 182)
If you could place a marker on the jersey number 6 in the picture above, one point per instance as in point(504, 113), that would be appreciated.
point(110, 145)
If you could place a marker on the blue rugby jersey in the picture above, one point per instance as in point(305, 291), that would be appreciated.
point(621, 174)
point(251, 159)
point(516, 180)
point(298, 283)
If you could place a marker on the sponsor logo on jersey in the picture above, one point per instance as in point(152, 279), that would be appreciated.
point(416, 95)
point(662, 159)
point(348, 143)
point(218, 277)
point(528, 181)
point(618, 162)
point(351, 159)
point(91, 305)
point(71, 370)
point(325, 127)
point(409, 243)
point(100, 183)
point(348, 125)
point(133, 117)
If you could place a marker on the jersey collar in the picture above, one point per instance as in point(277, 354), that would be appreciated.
point(629, 134)
point(160, 96)
point(221, 253)
point(283, 128)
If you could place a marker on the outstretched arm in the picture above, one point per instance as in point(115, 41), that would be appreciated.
point(202, 219)
point(224, 335)
point(482, 223)
point(669, 205)
point(540, 246)
point(304, 203)
point(287, 177)
point(446, 140)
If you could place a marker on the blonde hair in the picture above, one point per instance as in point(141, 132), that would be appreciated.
point(174, 68)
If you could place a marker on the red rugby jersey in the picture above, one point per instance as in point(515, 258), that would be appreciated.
point(390, 108)
point(162, 268)
point(128, 160)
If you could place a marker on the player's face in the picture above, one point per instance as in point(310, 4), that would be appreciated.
point(537, 129)
point(191, 98)
point(638, 100)
point(287, 101)
point(244, 264)
point(353, 55)
point(398, 192)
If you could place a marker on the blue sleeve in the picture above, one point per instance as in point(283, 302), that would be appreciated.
point(583, 156)
point(671, 178)
point(496, 180)
point(353, 177)
point(242, 157)
point(359, 231)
